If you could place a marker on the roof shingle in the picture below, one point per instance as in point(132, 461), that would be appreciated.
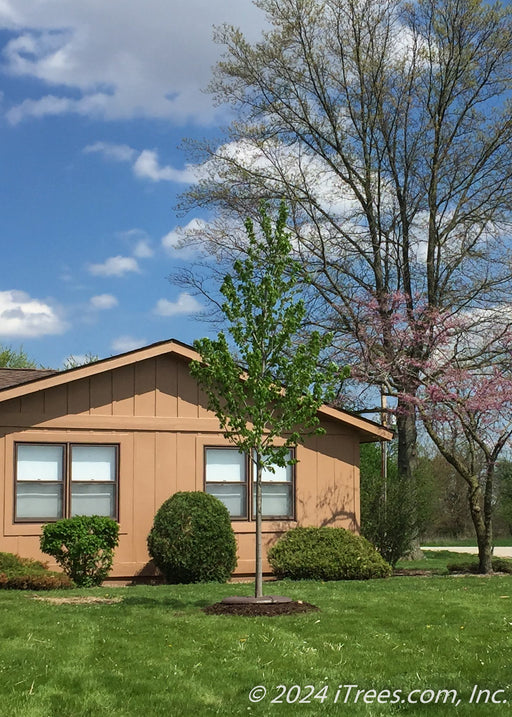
point(15, 376)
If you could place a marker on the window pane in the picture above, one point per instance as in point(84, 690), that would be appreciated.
point(276, 500)
point(93, 463)
point(39, 463)
point(281, 475)
point(38, 500)
point(233, 497)
point(225, 464)
point(93, 499)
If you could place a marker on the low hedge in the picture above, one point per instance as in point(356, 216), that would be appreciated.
point(499, 565)
point(12, 564)
point(48, 581)
point(17, 573)
point(326, 554)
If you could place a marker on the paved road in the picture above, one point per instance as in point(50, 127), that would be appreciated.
point(499, 552)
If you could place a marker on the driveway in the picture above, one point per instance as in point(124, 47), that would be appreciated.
point(499, 552)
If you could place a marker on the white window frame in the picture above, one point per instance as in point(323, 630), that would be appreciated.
point(249, 485)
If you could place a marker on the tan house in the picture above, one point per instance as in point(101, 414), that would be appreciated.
point(119, 436)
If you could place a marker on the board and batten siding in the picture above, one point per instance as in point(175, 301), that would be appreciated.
point(155, 411)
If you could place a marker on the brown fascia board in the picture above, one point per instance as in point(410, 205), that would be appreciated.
point(369, 430)
point(97, 367)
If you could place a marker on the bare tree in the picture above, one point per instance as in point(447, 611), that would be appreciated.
point(386, 126)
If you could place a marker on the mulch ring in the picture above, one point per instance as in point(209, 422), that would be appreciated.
point(253, 607)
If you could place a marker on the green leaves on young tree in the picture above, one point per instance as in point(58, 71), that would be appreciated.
point(273, 387)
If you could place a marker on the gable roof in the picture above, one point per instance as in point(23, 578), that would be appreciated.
point(15, 376)
point(35, 380)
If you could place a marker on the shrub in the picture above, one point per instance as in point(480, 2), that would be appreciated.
point(388, 511)
point(499, 565)
point(326, 554)
point(12, 564)
point(192, 539)
point(45, 581)
point(83, 546)
point(18, 573)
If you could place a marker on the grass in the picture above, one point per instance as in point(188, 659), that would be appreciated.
point(436, 561)
point(155, 653)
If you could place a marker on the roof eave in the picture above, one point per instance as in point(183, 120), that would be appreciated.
point(368, 430)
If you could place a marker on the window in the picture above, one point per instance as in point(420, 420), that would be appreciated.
point(276, 492)
point(227, 474)
point(66, 479)
point(226, 478)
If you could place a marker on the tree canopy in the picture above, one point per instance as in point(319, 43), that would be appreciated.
point(15, 358)
point(387, 127)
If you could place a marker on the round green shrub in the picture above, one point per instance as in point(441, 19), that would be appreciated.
point(83, 546)
point(192, 540)
point(326, 554)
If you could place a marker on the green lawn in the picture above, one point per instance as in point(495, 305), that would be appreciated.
point(156, 653)
point(436, 561)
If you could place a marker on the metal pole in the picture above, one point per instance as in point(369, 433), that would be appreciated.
point(384, 448)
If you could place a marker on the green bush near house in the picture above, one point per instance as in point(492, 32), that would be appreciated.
point(192, 540)
point(83, 546)
point(17, 573)
point(12, 564)
point(326, 554)
point(499, 565)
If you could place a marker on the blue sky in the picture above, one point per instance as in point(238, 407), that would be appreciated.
point(95, 99)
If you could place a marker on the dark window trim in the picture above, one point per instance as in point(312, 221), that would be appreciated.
point(249, 484)
point(66, 478)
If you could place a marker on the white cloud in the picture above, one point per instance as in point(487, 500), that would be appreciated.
point(183, 243)
point(117, 152)
point(126, 343)
point(184, 304)
point(103, 301)
point(115, 266)
point(143, 249)
point(120, 60)
point(147, 166)
point(139, 242)
point(22, 316)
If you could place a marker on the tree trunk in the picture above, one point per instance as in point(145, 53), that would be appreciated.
point(407, 440)
point(483, 531)
point(407, 436)
point(258, 576)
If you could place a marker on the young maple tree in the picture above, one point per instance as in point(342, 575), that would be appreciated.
point(272, 388)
